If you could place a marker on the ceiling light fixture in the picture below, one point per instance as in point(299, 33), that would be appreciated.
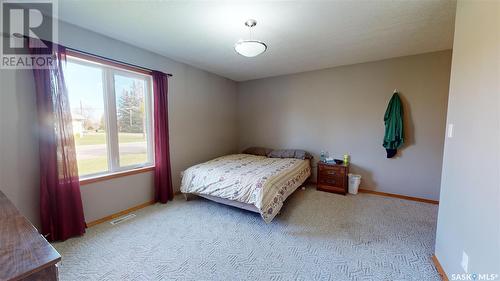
point(250, 48)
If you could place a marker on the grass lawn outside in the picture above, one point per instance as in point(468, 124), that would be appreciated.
point(98, 162)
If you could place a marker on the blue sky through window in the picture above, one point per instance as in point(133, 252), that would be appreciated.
point(85, 89)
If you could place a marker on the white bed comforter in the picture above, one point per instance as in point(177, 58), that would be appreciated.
point(256, 180)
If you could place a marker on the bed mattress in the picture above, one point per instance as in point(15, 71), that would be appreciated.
point(254, 180)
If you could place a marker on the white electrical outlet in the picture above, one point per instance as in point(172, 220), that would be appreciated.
point(465, 262)
point(450, 131)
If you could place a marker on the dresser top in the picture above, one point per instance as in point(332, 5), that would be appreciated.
point(23, 250)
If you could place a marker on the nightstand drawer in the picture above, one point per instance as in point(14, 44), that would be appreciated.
point(333, 172)
point(333, 181)
point(324, 167)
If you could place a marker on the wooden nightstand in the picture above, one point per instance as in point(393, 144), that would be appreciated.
point(332, 178)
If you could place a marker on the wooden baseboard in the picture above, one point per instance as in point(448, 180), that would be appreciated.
point(362, 190)
point(439, 268)
point(119, 214)
point(398, 196)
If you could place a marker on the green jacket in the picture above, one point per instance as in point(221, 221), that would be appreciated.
point(393, 118)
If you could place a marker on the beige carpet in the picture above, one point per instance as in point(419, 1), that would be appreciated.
point(318, 236)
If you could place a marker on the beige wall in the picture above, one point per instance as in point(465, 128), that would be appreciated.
point(18, 141)
point(469, 209)
point(337, 109)
point(202, 119)
point(341, 110)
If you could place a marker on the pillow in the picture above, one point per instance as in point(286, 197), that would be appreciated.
point(290, 153)
point(259, 151)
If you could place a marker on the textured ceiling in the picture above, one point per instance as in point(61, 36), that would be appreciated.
point(301, 35)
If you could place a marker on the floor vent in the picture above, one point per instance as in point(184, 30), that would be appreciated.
point(122, 219)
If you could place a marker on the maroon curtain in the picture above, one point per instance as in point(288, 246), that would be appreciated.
point(61, 207)
point(163, 175)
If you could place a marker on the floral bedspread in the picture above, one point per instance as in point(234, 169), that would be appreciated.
point(256, 180)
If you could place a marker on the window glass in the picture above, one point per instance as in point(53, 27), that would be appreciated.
point(112, 121)
point(85, 88)
point(132, 120)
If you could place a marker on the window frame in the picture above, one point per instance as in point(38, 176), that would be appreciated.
point(109, 70)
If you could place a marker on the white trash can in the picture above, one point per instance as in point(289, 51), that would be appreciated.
point(354, 181)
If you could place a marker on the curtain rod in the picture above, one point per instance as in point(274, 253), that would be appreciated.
point(112, 60)
point(98, 56)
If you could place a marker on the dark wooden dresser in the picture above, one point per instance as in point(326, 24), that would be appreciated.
point(332, 178)
point(24, 253)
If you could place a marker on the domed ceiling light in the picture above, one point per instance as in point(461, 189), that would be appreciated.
point(250, 48)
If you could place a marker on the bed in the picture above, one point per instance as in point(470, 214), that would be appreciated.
point(255, 183)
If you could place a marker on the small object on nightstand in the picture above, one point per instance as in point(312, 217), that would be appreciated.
point(323, 156)
point(339, 162)
point(332, 178)
point(346, 159)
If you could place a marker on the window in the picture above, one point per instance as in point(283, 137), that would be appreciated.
point(111, 108)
